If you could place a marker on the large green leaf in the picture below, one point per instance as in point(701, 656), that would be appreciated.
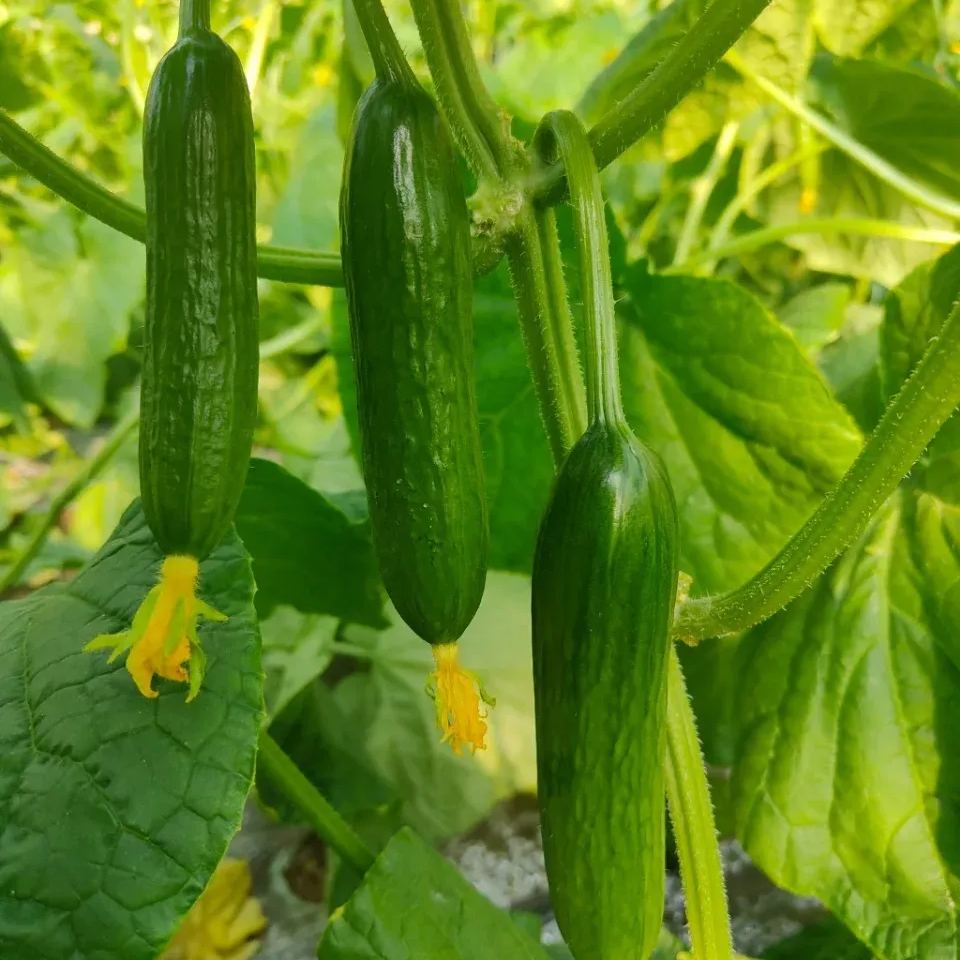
point(842, 786)
point(908, 117)
point(750, 432)
point(828, 940)
point(414, 904)
point(114, 809)
point(306, 552)
point(15, 383)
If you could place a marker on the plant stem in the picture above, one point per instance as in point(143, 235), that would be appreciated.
point(691, 812)
point(702, 188)
point(468, 107)
point(258, 46)
point(273, 263)
point(313, 805)
point(88, 471)
point(853, 148)
point(720, 26)
point(910, 422)
point(194, 16)
point(856, 226)
point(385, 50)
point(561, 136)
point(547, 327)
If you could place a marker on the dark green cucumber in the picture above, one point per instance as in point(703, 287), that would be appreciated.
point(604, 581)
point(406, 258)
point(199, 389)
point(604, 586)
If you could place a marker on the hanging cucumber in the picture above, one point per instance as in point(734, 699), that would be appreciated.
point(198, 395)
point(405, 241)
point(604, 585)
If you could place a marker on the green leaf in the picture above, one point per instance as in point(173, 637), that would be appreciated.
point(114, 809)
point(73, 289)
point(414, 903)
point(306, 552)
point(16, 386)
point(517, 462)
point(842, 786)
point(909, 118)
point(780, 44)
point(297, 648)
point(827, 940)
point(848, 27)
point(750, 433)
point(816, 315)
point(387, 714)
point(914, 312)
point(639, 57)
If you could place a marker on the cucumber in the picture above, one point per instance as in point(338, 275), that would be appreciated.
point(406, 257)
point(604, 587)
point(199, 389)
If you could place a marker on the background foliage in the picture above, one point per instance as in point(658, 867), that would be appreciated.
point(775, 289)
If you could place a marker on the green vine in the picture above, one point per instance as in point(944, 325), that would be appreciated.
point(273, 263)
point(910, 422)
point(720, 26)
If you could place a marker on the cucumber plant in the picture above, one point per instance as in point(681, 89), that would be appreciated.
point(685, 392)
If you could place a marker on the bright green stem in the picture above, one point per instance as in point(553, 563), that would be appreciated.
point(468, 107)
point(194, 16)
point(286, 776)
point(908, 425)
point(273, 263)
point(854, 226)
point(691, 812)
point(682, 70)
point(385, 50)
point(91, 468)
point(561, 136)
point(703, 187)
point(853, 148)
point(533, 254)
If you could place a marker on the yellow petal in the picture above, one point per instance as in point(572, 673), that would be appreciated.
point(162, 641)
point(224, 923)
point(458, 696)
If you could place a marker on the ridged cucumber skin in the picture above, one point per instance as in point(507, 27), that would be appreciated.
point(406, 254)
point(200, 368)
point(604, 585)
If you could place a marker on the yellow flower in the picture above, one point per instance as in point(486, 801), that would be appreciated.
point(224, 923)
point(457, 694)
point(163, 641)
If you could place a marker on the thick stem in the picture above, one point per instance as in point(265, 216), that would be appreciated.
point(561, 136)
point(691, 812)
point(909, 423)
point(194, 16)
point(547, 331)
point(286, 776)
point(91, 468)
point(853, 148)
point(720, 26)
point(468, 107)
point(28, 153)
point(385, 50)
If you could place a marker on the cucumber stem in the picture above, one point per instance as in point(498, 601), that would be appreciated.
point(194, 16)
point(562, 136)
point(388, 59)
point(286, 776)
